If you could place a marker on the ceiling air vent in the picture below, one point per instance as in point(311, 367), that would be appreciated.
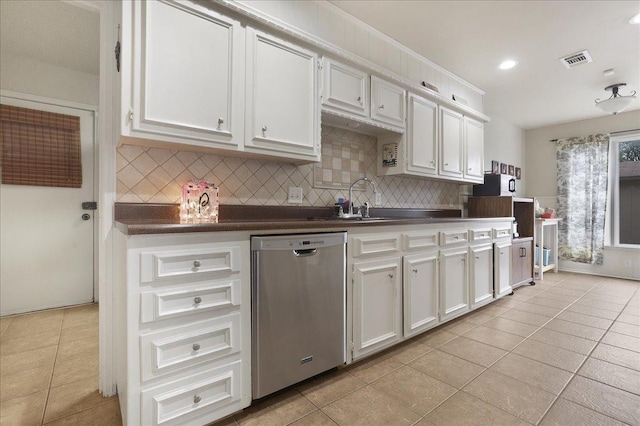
point(576, 59)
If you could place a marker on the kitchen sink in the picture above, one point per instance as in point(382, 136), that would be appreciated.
point(363, 219)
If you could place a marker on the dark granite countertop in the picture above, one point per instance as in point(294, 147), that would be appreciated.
point(140, 219)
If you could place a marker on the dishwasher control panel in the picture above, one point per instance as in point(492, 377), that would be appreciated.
point(296, 242)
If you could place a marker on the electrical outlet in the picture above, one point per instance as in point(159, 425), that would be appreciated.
point(627, 263)
point(378, 199)
point(295, 195)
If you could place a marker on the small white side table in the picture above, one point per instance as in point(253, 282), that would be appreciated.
point(552, 225)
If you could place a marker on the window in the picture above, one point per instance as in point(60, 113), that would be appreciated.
point(625, 189)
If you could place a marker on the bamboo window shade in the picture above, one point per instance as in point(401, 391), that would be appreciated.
point(40, 148)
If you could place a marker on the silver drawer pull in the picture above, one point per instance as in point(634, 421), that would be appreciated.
point(456, 237)
point(196, 399)
point(196, 263)
point(197, 300)
point(415, 271)
point(220, 120)
point(264, 129)
point(196, 347)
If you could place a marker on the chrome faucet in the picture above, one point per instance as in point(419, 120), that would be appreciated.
point(375, 191)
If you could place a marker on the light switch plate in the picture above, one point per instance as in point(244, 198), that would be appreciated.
point(378, 199)
point(295, 195)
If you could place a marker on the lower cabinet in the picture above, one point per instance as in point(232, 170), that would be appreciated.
point(377, 305)
point(502, 268)
point(521, 262)
point(481, 275)
point(454, 283)
point(420, 292)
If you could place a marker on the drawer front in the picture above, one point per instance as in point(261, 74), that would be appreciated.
point(501, 232)
point(481, 234)
point(180, 347)
point(453, 237)
point(161, 304)
point(376, 245)
point(192, 396)
point(159, 266)
point(420, 240)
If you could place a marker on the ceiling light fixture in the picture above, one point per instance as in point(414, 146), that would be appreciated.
point(616, 103)
point(635, 19)
point(508, 64)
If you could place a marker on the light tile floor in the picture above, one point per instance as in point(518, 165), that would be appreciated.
point(563, 352)
point(49, 370)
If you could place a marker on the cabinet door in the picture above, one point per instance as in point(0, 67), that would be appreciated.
point(502, 268)
point(345, 88)
point(474, 151)
point(282, 112)
point(377, 305)
point(521, 261)
point(181, 90)
point(454, 283)
point(451, 138)
point(481, 280)
point(422, 136)
point(387, 102)
point(420, 292)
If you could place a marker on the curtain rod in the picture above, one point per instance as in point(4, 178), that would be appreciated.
point(621, 132)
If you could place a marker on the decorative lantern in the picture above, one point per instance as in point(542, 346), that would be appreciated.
point(199, 202)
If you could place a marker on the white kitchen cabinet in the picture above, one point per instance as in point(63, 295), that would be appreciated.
point(345, 88)
point(481, 275)
point(451, 143)
point(183, 327)
point(502, 268)
point(182, 76)
point(473, 150)
point(387, 102)
point(282, 110)
point(454, 283)
point(377, 305)
point(420, 285)
point(422, 137)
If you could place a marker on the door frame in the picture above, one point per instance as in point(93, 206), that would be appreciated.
point(19, 96)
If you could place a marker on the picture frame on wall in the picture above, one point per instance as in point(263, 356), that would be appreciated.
point(503, 168)
point(518, 173)
point(495, 167)
point(512, 170)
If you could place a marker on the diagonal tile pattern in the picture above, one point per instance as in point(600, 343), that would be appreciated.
point(152, 175)
point(505, 364)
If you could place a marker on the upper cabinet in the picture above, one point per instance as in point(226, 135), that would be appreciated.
point(198, 80)
point(451, 143)
point(387, 102)
point(473, 150)
point(282, 113)
point(422, 137)
point(179, 90)
point(345, 88)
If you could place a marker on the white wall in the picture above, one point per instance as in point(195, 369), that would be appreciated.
point(22, 74)
point(540, 155)
point(505, 143)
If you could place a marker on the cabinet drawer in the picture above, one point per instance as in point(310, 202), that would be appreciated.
point(374, 245)
point(453, 237)
point(159, 266)
point(502, 232)
point(419, 240)
point(180, 347)
point(162, 304)
point(192, 396)
point(480, 234)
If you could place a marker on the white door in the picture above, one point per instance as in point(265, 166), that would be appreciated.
point(451, 137)
point(502, 269)
point(474, 150)
point(345, 88)
point(454, 283)
point(46, 255)
point(481, 280)
point(420, 292)
point(422, 136)
point(387, 102)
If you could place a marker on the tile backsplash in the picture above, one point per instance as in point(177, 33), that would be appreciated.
point(152, 175)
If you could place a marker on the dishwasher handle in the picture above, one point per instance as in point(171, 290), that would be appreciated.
point(305, 252)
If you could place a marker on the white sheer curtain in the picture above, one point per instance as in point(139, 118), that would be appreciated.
point(582, 196)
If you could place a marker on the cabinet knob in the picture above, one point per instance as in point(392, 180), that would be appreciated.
point(463, 259)
point(390, 275)
point(360, 99)
point(196, 347)
point(415, 271)
point(196, 264)
point(381, 106)
point(197, 300)
point(456, 237)
point(446, 164)
point(196, 399)
point(431, 162)
point(264, 129)
point(478, 257)
point(470, 168)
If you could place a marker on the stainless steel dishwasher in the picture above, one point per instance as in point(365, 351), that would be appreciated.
point(298, 308)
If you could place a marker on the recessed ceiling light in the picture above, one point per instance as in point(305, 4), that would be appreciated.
point(635, 19)
point(508, 64)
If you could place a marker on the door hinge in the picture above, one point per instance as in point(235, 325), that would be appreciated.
point(116, 50)
point(130, 115)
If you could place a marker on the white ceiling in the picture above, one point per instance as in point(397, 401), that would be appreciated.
point(53, 32)
point(470, 39)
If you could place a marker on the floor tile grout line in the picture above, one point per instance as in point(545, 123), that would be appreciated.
point(582, 364)
point(55, 358)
